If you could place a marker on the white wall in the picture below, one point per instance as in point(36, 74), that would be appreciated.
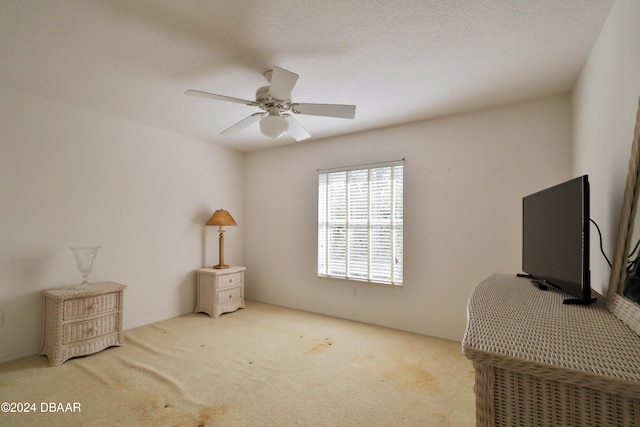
point(464, 181)
point(69, 176)
point(605, 102)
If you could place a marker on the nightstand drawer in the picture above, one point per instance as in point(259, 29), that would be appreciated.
point(229, 280)
point(80, 331)
point(83, 307)
point(230, 295)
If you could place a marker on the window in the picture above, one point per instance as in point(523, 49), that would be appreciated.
point(360, 220)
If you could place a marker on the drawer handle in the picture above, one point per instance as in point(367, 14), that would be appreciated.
point(94, 330)
point(230, 280)
point(230, 296)
point(94, 307)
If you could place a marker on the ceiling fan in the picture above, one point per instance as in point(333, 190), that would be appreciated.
point(275, 101)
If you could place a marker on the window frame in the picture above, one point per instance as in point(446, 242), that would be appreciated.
point(386, 224)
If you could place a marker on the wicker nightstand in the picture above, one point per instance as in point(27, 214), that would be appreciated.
point(81, 321)
point(220, 291)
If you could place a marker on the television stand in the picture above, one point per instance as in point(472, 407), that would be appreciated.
point(541, 363)
point(539, 284)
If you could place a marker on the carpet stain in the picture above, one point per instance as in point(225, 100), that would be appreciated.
point(148, 407)
point(414, 376)
point(441, 420)
point(210, 414)
point(321, 346)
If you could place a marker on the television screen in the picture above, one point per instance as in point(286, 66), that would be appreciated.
point(555, 238)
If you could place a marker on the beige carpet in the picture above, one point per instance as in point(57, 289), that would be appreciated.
point(260, 366)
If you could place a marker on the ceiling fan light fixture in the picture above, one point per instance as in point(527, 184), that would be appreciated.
point(274, 126)
point(275, 102)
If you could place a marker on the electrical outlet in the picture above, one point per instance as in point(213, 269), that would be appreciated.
point(355, 292)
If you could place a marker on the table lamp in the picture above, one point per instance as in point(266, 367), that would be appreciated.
point(221, 218)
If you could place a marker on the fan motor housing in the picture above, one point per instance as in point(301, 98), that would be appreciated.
point(266, 100)
point(262, 95)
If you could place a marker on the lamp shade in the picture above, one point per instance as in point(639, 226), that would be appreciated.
point(221, 217)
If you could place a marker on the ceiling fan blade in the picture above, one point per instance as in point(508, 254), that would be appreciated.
point(295, 128)
point(242, 124)
point(282, 82)
point(327, 110)
point(193, 92)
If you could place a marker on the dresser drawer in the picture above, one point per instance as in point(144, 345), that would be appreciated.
point(230, 295)
point(229, 280)
point(84, 307)
point(79, 331)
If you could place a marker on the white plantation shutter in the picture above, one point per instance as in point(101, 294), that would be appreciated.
point(360, 223)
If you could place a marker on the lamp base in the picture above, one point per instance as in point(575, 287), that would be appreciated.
point(220, 266)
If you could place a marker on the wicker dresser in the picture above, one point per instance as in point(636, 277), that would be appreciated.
point(541, 363)
point(81, 321)
point(220, 291)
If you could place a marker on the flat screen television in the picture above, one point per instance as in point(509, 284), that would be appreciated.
point(555, 238)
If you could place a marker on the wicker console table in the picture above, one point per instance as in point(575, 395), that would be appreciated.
point(541, 363)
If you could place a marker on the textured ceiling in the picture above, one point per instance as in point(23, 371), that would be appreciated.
point(397, 60)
